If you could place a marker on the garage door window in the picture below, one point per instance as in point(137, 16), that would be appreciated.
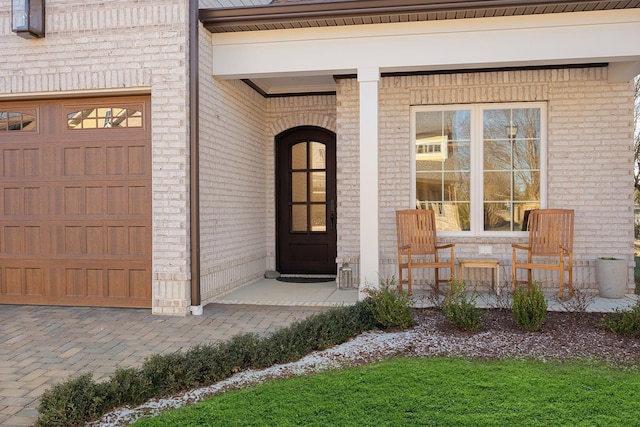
point(105, 117)
point(24, 120)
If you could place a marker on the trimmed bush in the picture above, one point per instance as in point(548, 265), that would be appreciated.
point(80, 400)
point(624, 322)
point(529, 307)
point(390, 307)
point(73, 403)
point(460, 309)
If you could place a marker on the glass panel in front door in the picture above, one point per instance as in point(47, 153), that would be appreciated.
point(308, 187)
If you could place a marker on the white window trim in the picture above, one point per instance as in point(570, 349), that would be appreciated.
point(476, 162)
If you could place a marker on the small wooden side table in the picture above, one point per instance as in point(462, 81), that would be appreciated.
point(492, 263)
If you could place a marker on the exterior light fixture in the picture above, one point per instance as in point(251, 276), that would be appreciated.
point(512, 131)
point(27, 18)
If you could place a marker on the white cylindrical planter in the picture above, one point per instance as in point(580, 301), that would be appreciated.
point(611, 275)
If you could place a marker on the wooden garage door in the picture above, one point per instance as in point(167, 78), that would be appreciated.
point(75, 199)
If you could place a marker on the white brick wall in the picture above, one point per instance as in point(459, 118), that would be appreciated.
point(232, 185)
point(140, 45)
point(590, 158)
point(283, 114)
point(237, 171)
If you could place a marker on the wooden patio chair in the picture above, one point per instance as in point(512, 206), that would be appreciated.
point(551, 237)
point(417, 245)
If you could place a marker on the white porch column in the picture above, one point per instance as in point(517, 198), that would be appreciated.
point(369, 255)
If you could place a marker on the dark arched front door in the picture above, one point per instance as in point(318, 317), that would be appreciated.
point(306, 201)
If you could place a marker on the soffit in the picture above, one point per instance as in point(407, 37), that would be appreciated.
point(283, 14)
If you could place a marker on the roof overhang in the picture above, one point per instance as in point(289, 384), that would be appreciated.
point(270, 46)
point(361, 12)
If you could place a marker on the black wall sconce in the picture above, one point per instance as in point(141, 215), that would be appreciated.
point(27, 18)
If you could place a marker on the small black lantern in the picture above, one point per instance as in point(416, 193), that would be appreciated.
point(512, 131)
point(27, 18)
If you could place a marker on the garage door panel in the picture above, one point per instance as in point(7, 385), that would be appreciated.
point(116, 283)
point(13, 201)
point(137, 278)
point(95, 283)
point(117, 241)
point(74, 239)
point(137, 160)
point(137, 200)
point(33, 199)
point(13, 282)
point(95, 240)
point(73, 161)
point(35, 240)
point(76, 205)
point(73, 201)
point(117, 200)
point(10, 162)
point(34, 281)
point(94, 197)
point(138, 239)
point(115, 160)
point(14, 240)
point(75, 283)
point(95, 161)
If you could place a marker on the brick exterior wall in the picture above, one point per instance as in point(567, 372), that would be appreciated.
point(590, 157)
point(140, 45)
point(232, 185)
point(237, 186)
point(283, 114)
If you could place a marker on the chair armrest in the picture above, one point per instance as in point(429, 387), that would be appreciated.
point(517, 246)
point(565, 250)
point(405, 247)
point(448, 245)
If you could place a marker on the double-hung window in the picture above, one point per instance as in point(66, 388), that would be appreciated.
point(480, 167)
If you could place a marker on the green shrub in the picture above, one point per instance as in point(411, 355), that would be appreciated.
point(127, 387)
point(72, 403)
point(624, 322)
point(390, 307)
point(80, 400)
point(460, 309)
point(529, 307)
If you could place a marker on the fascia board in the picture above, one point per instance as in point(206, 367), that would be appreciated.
point(465, 43)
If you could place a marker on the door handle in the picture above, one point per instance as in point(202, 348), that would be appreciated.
point(332, 214)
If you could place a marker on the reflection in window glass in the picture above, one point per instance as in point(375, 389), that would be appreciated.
point(443, 166)
point(22, 121)
point(511, 153)
point(299, 156)
point(104, 118)
point(318, 186)
point(308, 187)
point(505, 170)
point(298, 187)
point(299, 218)
point(319, 217)
point(318, 155)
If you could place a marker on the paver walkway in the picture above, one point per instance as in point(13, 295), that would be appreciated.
point(42, 346)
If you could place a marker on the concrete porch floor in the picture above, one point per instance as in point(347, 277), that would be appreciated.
point(326, 294)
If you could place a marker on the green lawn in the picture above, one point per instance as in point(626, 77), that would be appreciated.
point(430, 391)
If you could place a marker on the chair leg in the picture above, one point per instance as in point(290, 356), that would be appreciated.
point(570, 282)
point(437, 280)
point(400, 275)
point(410, 277)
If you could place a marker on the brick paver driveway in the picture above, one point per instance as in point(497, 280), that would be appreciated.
point(41, 346)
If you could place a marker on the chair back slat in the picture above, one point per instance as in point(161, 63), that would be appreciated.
point(549, 229)
point(417, 227)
